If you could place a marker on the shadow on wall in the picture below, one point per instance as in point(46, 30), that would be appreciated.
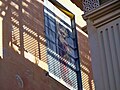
point(23, 38)
point(18, 73)
point(23, 28)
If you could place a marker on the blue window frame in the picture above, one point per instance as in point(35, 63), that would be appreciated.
point(62, 50)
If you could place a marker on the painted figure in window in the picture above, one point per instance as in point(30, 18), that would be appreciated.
point(64, 50)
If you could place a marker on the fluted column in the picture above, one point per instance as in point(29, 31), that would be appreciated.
point(103, 25)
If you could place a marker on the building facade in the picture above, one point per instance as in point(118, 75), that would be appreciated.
point(39, 48)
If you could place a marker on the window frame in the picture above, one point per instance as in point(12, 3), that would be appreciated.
point(74, 38)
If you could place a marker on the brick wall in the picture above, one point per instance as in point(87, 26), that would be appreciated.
point(23, 26)
point(85, 60)
point(24, 33)
point(33, 77)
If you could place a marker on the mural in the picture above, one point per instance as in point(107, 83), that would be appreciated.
point(64, 51)
point(61, 43)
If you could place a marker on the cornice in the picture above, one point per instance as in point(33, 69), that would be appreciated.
point(104, 14)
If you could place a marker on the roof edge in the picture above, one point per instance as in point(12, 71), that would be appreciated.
point(78, 3)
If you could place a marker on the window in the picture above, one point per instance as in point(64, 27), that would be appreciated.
point(61, 46)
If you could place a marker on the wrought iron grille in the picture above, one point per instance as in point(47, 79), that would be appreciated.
point(89, 5)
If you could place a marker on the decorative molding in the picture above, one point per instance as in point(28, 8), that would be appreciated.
point(104, 14)
point(89, 5)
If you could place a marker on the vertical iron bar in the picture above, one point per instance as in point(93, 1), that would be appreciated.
point(79, 79)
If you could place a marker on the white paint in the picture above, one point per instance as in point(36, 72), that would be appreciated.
point(75, 10)
point(80, 30)
point(33, 59)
